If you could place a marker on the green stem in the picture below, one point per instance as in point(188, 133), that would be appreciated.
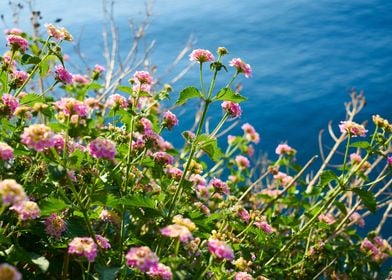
point(201, 79)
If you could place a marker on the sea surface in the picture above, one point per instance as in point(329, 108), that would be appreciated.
point(306, 56)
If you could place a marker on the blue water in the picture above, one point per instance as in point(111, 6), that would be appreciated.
point(306, 55)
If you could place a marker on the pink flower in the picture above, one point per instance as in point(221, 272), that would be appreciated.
point(58, 33)
point(242, 276)
point(109, 216)
point(250, 133)
point(117, 101)
point(242, 162)
point(352, 128)
point(142, 258)
point(6, 152)
point(17, 42)
point(283, 178)
point(241, 67)
point(59, 142)
point(284, 149)
point(389, 160)
point(19, 77)
point(26, 209)
point(102, 148)
point(231, 139)
point(38, 137)
point(169, 120)
point(55, 225)
point(356, 217)
point(143, 77)
point(232, 108)
point(11, 192)
point(264, 226)
point(160, 271)
point(220, 249)
point(355, 158)
point(83, 246)
point(243, 214)
point(70, 106)
point(62, 75)
point(10, 101)
point(9, 272)
point(173, 172)
point(103, 242)
point(219, 186)
point(80, 79)
point(14, 31)
point(163, 158)
point(200, 55)
point(327, 218)
point(177, 231)
point(99, 68)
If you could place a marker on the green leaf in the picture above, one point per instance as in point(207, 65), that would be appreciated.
point(107, 273)
point(56, 171)
point(227, 94)
point(137, 201)
point(368, 199)
point(210, 147)
point(360, 144)
point(125, 89)
point(28, 59)
point(188, 93)
point(52, 205)
point(341, 207)
point(31, 98)
point(326, 177)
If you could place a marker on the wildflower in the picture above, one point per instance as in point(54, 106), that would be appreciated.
point(99, 68)
point(242, 162)
point(8, 63)
point(80, 79)
point(83, 246)
point(62, 75)
point(250, 151)
point(284, 149)
point(283, 178)
point(9, 272)
point(23, 112)
point(389, 160)
point(160, 271)
point(170, 120)
point(58, 33)
point(175, 230)
point(14, 31)
point(142, 258)
point(231, 139)
point(116, 101)
point(203, 208)
point(143, 77)
point(6, 152)
point(220, 186)
point(356, 217)
point(11, 192)
point(38, 137)
point(220, 249)
point(232, 108)
point(179, 220)
point(59, 142)
point(241, 67)
point(250, 133)
point(18, 78)
point(109, 216)
point(102, 148)
point(27, 210)
point(352, 128)
point(327, 218)
point(355, 158)
point(242, 264)
point(55, 225)
point(173, 172)
point(222, 51)
point(202, 192)
point(200, 55)
point(103, 242)
point(145, 124)
point(163, 158)
point(17, 42)
point(242, 276)
point(243, 214)
point(10, 101)
point(264, 226)
point(197, 179)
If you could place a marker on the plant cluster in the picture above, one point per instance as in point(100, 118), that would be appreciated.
point(90, 189)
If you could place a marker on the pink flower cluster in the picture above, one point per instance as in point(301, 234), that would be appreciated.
point(160, 271)
point(83, 246)
point(9, 272)
point(103, 242)
point(352, 128)
point(243, 214)
point(55, 225)
point(379, 249)
point(327, 218)
point(242, 276)
point(26, 209)
point(169, 120)
point(62, 75)
point(284, 149)
point(220, 249)
point(219, 186)
point(19, 77)
point(142, 81)
point(17, 42)
point(80, 79)
point(357, 218)
point(38, 137)
point(264, 226)
point(177, 231)
point(6, 152)
point(11, 192)
point(163, 158)
point(72, 108)
point(10, 101)
point(116, 101)
point(142, 258)
point(283, 178)
point(232, 108)
point(102, 148)
point(58, 33)
point(241, 67)
point(201, 56)
point(14, 31)
point(173, 172)
point(250, 133)
point(242, 162)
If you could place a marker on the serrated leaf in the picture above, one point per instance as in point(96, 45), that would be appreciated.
point(28, 59)
point(227, 94)
point(360, 144)
point(137, 201)
point(31, 98)
point(210, 147)
point(188, 93)
point(326, 177)
point(52, 205)
point(367, 198)
point(126, 89)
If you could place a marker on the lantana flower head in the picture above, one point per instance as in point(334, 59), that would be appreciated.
point(103, 242)
point(80, 79)
point(173, 172)
point(11, 192)
point(142, 258)
point(264, 226)
point(327, 218)
point(38, 137)
point(232, 108)
point(284, 149)
point(241, 67)
point(242, 162)
point(220, 249)
point(357, 218)
point(18, 78)
point(83, 246)
point(6, 152)
point(26, 209)
point(10, 101)
point(163, 158)
point(201, 56)
point(58, 33)
point(160, 271)
point(283, 178)
point(9, 272)
point(352, 128)
point(14, 31)
point(117, 101)
point(143, 77)
point(102, 148)
point(55, 225)
point(169, 120)
point(17, 42)
point(219, 186)
point(250, 133)
point(177, 231)
point(242, 276)
point(180, 220)
point(62, 75)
